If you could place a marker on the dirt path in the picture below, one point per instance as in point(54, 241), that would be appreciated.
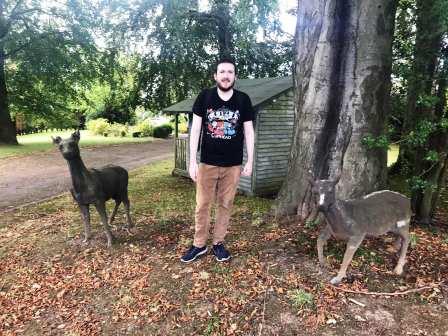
point(40, 176)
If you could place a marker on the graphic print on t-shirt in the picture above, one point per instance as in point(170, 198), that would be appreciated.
point(221, 123)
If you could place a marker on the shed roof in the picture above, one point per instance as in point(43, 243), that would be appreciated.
point(259, 90)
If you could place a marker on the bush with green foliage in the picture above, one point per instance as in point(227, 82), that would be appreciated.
point(98, 126)
point(118, 130)
point(162, 131)
point(183, 127)
point(101, 126)
point(144, 128)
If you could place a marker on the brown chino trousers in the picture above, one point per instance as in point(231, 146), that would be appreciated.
point(219, 182)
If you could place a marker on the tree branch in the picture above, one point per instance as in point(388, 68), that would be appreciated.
point(26, 44)
point(17, 5)
point(264, 303)
point(9, 21)
point(443, 156)
point(409, 291)
point(204, 16)
point(14, 16)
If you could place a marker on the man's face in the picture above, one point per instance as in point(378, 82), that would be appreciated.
point(225, 76)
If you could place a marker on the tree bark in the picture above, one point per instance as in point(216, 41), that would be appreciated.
point(342, 80)
point(219, 22)
point(7, 127)
point(434, 173)
point(223, 30)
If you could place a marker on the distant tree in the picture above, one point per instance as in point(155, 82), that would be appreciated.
point(424, 132)
point(402, 49)
point(115, 94)
point(47, 59)
point(184, 42)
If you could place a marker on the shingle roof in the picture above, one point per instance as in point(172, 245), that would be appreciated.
point(259, 90)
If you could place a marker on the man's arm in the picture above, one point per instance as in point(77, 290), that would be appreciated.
point(249, 139)
point(194, 140)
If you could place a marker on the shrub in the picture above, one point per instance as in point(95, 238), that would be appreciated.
point(98, 126)
point(144, 128)
point(183, 127)
point(101, 126)
point(162, 131)
point(117, 129)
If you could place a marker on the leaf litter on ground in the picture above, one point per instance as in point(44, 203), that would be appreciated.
point(52, 282)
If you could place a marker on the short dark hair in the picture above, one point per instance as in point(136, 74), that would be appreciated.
point(225, 60)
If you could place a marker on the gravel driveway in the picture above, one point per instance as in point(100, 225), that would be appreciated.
point(40, 176)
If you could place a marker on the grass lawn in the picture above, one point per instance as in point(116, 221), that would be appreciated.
point(52, 283)
point(392, 154)
point(41, 142)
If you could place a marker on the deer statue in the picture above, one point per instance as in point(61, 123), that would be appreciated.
point(352, 220)
point(94, 186)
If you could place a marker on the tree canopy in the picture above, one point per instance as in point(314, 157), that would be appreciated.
point(72, 58)
point(50, 57)
point(185, 42)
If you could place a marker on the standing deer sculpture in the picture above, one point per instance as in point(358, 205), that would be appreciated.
point(95, 186)
point(352, 220)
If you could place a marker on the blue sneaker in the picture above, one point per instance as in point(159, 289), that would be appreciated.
point(220, 252)
point(193, 253)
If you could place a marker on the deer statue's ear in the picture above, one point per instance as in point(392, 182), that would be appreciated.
point(56, 140)
point(76, 136)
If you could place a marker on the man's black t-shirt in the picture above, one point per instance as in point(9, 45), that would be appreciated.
point(222, 126)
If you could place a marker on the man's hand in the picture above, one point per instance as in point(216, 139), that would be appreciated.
point(249, 139)
point(193, 170)
point(247, 170)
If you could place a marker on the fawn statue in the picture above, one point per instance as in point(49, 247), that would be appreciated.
point(352, 220)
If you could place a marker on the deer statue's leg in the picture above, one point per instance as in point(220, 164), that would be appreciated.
point(321, 242)
point(85, 213)
point(398, 243)
point(114, 212)
point(404, 234)
point(127, 206)
point(101, 207)
point(352, 245)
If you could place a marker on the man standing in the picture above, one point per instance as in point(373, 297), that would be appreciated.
point(225, 116)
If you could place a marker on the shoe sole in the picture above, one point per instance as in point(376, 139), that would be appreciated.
point(195, 257)
point(222, 259)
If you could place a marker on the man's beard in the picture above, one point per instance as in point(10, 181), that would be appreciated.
point(227, 88)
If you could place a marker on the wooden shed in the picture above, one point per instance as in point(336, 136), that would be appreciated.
point(273, 101)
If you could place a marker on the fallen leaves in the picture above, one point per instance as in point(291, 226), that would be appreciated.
point(204, 275)
point(51, 280)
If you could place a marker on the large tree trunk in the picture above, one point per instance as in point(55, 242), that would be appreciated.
point(7, 127)
point(219, 22)
point(223, 30)
point(342, 77)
